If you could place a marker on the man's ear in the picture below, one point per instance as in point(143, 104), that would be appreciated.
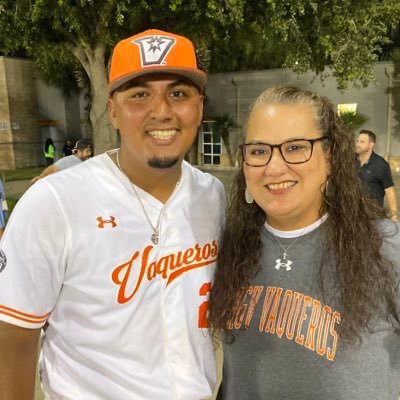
point(371, 145)
point(112, 112)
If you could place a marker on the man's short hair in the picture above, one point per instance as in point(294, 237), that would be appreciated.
point(371, 135)
point(82, 145)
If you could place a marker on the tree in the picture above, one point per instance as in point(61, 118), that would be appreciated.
point(222, 128)
point(67, 36)
point(344, 35)
point(352, 121)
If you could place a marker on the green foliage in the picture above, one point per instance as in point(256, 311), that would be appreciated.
point(352, 121)
point(20, 174)
point(70, 38)
point(223, 126)
point(344, 35)
point(11, 202)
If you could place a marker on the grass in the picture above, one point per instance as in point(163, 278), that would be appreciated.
point(11, 202)
point(20, 174)
point(17, 175)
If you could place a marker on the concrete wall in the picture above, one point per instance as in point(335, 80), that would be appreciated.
point(30, 112)
point(234, 98)
point(6, 150)
point(59, 116)
point(18, 86)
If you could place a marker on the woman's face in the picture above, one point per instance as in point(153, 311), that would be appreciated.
point(289, 194)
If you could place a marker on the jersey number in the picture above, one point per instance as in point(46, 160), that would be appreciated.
point(203, 320)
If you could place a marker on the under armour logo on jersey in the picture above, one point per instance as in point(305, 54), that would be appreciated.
point(154, 49)
point(3, 260)
point(102, 222)
point(284, 264)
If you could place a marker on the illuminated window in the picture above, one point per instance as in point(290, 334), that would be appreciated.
point(211, 148)
point(347, 108)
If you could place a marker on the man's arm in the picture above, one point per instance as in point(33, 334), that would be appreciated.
point(18, 356)
point(392, 202)
point(47, 171)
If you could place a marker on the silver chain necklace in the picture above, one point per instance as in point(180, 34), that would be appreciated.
point(156, 229)
point(285, 261)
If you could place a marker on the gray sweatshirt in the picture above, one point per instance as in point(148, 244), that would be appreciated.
point(287, 346)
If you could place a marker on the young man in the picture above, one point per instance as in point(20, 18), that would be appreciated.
point(375, 171)
point(81, 152)
point(117, 255)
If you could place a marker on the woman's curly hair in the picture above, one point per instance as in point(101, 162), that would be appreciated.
point(364, 278)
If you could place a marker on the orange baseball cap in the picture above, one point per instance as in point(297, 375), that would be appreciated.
point(154, 51)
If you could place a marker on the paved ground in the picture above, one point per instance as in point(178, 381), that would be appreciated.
point(15, 189)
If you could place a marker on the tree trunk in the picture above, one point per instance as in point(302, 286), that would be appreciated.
point(192, 155)
point(228, 149)
point(93, 61)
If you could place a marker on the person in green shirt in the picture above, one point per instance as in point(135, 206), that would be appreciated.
point(49, 151)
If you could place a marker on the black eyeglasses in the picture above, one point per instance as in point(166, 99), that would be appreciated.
point(294, 151)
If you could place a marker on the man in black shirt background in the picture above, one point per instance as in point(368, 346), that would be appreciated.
point(375, 171)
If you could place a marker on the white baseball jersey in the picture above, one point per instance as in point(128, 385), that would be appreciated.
point(127, 318)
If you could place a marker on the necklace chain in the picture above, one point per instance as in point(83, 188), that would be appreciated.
point(156, 229)
point(287, 247)
point(285, 262)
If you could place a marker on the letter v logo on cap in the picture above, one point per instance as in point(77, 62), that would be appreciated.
point(154, 49)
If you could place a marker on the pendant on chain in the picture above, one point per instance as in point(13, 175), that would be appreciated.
point(284, 262)
point(154, 238)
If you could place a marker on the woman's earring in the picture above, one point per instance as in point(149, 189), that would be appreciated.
point(248, 196)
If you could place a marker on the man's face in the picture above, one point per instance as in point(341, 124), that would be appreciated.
point(157, 117)
point(84, 154)
point(363, 144)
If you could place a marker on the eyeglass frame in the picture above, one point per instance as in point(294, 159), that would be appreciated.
point(279, 146)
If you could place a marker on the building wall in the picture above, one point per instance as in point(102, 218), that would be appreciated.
point(232, 93)
point(59, 116)
point(19, 80)
point(6, 150)
point(30, 112)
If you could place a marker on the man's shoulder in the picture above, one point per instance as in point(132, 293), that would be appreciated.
point(67, 161)
point(79, 172)
point(377, 158)
point(201, 178)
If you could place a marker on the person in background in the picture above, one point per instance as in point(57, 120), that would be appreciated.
point(306, 291)
point(49, 151)
point(375, 171)
point(67, 148)
point(81, 152)
point(3, 210)
point(116, 255)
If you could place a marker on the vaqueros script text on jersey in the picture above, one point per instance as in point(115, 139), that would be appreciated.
point(168, 267)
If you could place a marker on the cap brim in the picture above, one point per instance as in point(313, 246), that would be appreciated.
point(198, 77)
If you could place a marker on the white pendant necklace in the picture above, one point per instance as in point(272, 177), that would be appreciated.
point(156, 229)
point(285, 262)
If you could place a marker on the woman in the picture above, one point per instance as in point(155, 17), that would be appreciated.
point(306, 287)
point(49, 152)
